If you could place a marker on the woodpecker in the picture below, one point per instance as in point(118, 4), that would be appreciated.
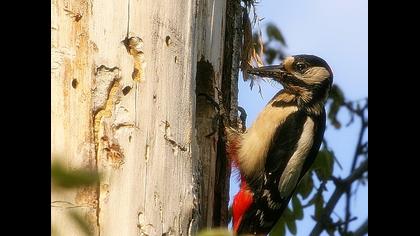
point(274, 154)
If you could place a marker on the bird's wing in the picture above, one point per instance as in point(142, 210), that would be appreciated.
point(265, 211)
point(295, 148)
point(284, 141)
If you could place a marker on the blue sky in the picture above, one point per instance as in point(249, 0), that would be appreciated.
point(338, 32)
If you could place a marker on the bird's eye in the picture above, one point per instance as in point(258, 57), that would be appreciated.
point(301, 67)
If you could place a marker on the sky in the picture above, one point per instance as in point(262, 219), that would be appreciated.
point(337, 31)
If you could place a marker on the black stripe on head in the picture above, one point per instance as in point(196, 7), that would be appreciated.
point(311, 61)
point(311, 90)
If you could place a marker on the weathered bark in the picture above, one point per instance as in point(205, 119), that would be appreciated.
point(132, 112)
point(229, 89)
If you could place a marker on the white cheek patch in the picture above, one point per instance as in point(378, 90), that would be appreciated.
point(291, 173)
point(316, 75)
point(288, 64)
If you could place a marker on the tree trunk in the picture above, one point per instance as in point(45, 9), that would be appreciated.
point(133, 90)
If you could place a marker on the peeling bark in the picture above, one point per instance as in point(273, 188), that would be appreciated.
point(144, 127)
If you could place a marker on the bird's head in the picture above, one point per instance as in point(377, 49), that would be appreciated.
point(306, 76)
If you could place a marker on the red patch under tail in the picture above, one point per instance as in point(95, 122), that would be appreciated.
point(242, 201)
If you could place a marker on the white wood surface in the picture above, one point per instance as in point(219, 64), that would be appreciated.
point(158, 175)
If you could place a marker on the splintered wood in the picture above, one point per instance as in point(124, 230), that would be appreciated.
point(252, 49)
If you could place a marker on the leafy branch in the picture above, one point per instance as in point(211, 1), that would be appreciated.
point(344, 186)
point(63, 179)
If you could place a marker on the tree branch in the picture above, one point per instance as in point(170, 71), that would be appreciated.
point(359, 151)
point(347, 210)
point(341, 187)
point(357, 173)
point(359, 145)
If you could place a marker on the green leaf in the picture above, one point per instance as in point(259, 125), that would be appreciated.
point(274, 33)
point(305, 185)
point(319, 206)
point(279, 229)
point(270, 55)
point(81, 222)
point(324, 164)
point(288, 214)
point(215, 232)
point(65, 178)
point(291, 225)
point(337, 97)
point(297, 208)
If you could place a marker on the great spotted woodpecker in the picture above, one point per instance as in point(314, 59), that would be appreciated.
point(277, 150)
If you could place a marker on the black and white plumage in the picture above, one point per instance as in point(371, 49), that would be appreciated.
point(280, 146)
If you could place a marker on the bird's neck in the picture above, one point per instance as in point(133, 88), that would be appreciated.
point(308, 101)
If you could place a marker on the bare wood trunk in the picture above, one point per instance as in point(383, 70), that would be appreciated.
point(140, 114)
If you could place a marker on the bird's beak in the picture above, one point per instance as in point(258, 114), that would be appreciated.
point(275, 72)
